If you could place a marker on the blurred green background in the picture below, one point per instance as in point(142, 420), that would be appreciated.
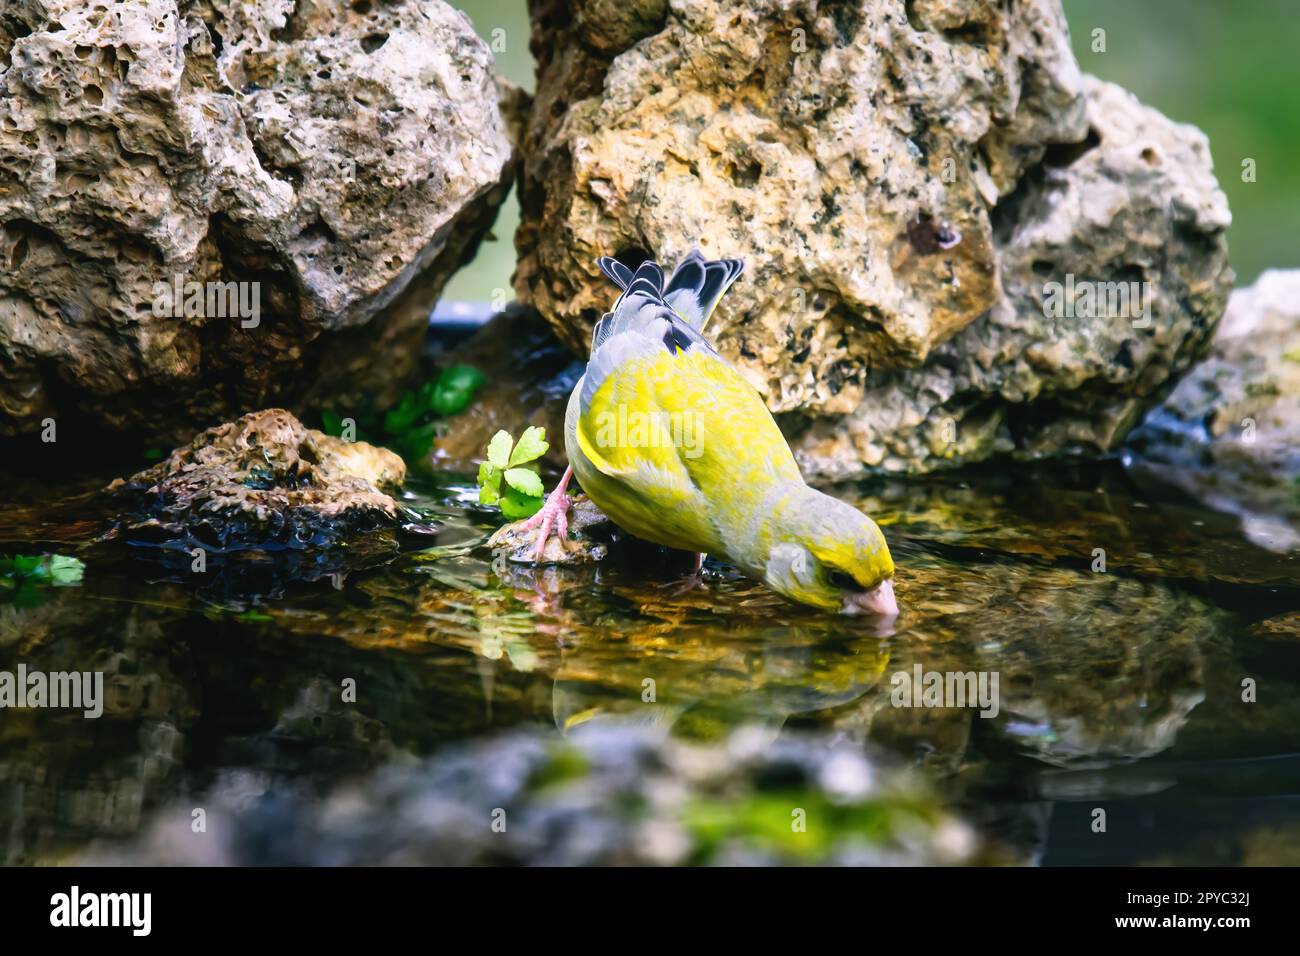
point(1230, 67)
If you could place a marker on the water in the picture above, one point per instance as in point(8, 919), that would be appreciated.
point(1120, 690)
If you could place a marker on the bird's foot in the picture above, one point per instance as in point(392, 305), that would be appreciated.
point(695, 579)
point(554, 516)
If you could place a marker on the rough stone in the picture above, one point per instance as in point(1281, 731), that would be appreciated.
point(617, 794)
point(346, 157)
point(589, 529)
point(902, 179)
point(263, 482)
point(1229, 434)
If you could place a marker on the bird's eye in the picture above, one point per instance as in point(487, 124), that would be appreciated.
point(838, 579)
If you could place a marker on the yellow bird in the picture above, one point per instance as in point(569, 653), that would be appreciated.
point(670, 442)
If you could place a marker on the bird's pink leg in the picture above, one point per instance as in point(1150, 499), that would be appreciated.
point(694, 579)
point(555, 513)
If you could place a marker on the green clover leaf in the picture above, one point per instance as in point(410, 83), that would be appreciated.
point(498, 451)
point(489, 483)
point(525, 481)
point(65, 571)
point(532, 445)
point(516, 505)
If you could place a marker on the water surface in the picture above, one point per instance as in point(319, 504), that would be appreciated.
point(1119, 689)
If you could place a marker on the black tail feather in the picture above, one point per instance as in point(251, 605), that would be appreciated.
point(615, 271)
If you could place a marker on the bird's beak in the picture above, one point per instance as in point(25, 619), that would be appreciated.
point(879, 601)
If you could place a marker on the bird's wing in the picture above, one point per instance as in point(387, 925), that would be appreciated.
point(677, 440)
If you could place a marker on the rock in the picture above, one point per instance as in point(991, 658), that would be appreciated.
point(612, 795)
point(337, 160)
point(903, 181)
point(265, 483)
point(529, 377)
point(589, 534)
point(1138, 206)
point(1229, 434)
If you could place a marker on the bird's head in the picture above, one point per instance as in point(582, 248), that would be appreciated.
point(829, 554)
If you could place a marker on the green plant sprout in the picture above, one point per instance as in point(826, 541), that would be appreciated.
point(516, 462)
point(409, 426)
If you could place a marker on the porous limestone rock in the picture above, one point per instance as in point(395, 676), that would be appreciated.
point(903, 179)
point(1135, 205)
point(344, 156)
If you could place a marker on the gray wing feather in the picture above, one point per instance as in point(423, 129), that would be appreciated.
point(647, 317)
point(639, 326)
point(697, 284)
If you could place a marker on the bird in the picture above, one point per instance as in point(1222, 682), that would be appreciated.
point(677, 448)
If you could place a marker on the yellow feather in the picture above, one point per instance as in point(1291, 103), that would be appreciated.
point(702, 466)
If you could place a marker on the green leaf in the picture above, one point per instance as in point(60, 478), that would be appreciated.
point(28, 595)
point(499, 449)
point(525, 480)
point(27, 564)
point(415, 445)
point(424, 394)
point(331, 423)
point(532, 445)
point(489, 483)
point(403, 415)
point(65, 571)
point(515, 505)
point(455, 389)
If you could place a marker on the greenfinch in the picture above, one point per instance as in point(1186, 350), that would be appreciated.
point(668, 439)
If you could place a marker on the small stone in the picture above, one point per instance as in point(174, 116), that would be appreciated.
point(517, 543)
point(262, 482)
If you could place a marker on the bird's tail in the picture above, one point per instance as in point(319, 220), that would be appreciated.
point(692, 291)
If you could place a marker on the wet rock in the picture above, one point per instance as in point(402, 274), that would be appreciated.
point(903, 181)
point(1229, 435)
point(266, 484)
point(590, 532)
point(615, 795)
point(345, 158)
point(1283, 627)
